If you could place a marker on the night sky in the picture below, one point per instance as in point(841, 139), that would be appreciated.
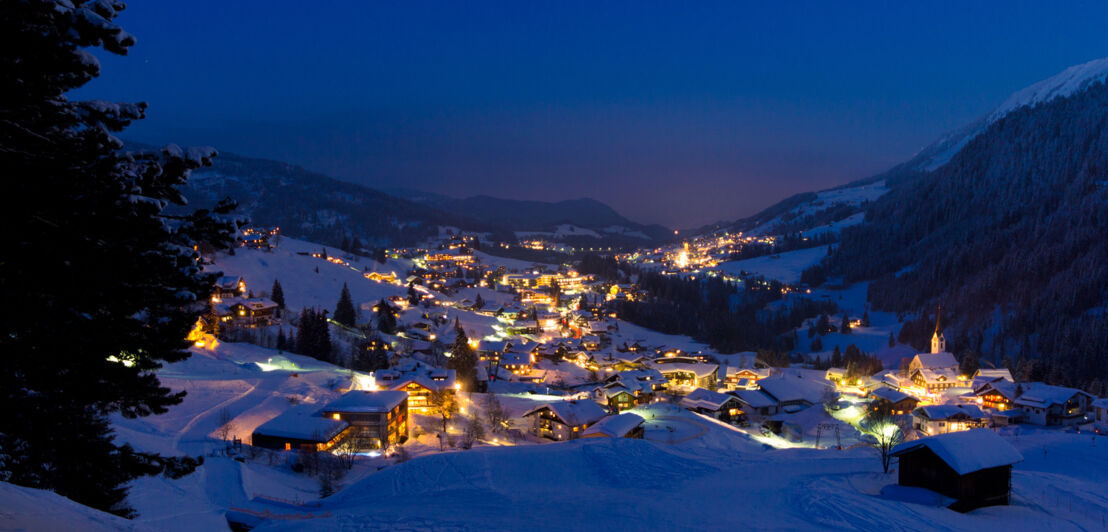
point(675, 116)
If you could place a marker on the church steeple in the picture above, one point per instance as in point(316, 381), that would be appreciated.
point(938, 341)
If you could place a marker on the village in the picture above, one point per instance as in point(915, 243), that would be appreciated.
point(449, 348)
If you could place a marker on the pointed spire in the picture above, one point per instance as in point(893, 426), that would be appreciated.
point(939, 320)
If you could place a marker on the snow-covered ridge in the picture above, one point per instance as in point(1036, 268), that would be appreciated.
point(1069, 81)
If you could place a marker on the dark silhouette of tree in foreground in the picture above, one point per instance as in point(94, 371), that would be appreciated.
point(100, 281)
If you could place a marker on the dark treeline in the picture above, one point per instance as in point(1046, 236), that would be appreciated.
point(727, 317)
point(789, 242)
point(1009, 237)
point(856, 362)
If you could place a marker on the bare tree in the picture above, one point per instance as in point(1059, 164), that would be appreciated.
point(887, 433)
point(494, 414)
point(474, 432)
point(447, 405)
point(226, 426)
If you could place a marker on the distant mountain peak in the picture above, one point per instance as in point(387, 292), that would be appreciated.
point(1065, 83)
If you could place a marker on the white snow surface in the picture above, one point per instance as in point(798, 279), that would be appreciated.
point(1070, 81)
point(784, 267)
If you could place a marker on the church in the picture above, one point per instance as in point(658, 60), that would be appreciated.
point(938, 370)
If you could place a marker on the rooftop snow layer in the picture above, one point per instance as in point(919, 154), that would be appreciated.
point(967, 451)
point(302, 422)
point(366, 401)
point(615, 426)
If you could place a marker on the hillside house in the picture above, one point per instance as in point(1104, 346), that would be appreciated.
point(227, 287)
point(721, 406)
point(615, 396)
point(974, 467)
point(794, 392)
point(625, 425)
point(381, 416)
point(1043, 404)
point(419, 383)
point(564, 420)
point(1100, 416)
point(300, 428)
point(517, 363)
point(737, 378)
point(893, 402)
point(941, 419)
point(257, 312)
point(757, 402)
point(687, 372)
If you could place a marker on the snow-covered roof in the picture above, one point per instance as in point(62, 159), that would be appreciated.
point(497, 346)
point(992, 374)
point(754, 398)
point(707, 399)
point(938, 375)
point(942, 412)
point(890, 395)
point(936, 360)
point(367, 401)
point(1042, 395)
point(615, 426)
point(572, 413)
point(699, 369)
point(1101, 403)
point(302, 422)
point(966, 451)
point(524, 347)
point(613, 389)
point(788, 388)
point(517, 359)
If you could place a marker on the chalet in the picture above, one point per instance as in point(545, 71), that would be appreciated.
point(687, 372)
point(835, 375)
point(718, 405)
point(598, 328)
point(381, 416)
point(419, 383)
point(894, 402)
point(227, 287)
point(491, 351)
point(1043, 404)
point(757, 402)
point(564, 420)
point(591, 342)
point(625, 425)
point(254, 312)
point(615, 396)
point(649, 381)
point(974, 467)
point(517, 363)
point(1100, 416)
point(982, 376)
point(738, 378)
point(794, 392)
point(300, 428)
point(941, 419)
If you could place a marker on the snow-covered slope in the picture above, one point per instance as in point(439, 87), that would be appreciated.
point(1065, 83)
point(31, 509)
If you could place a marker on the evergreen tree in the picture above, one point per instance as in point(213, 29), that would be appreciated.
point(277, 294)
point(463, 359)
point(386, 317)
point(892, 340)
point(344, 310)
point(845, 327)
point(865, 319)
point(282, 342)
point(824, 325)
point(478, 302)
point(91, 251)
point(372, 355)
point(836, 358)
point(817, 345)
point(413, 294)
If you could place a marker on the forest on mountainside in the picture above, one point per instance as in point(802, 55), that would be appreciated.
point(1008, 237)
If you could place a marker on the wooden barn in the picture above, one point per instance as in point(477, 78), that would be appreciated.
point(974, 467)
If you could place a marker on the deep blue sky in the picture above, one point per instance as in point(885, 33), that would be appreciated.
point(680, 116)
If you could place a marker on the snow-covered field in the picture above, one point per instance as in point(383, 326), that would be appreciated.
point(784, 267)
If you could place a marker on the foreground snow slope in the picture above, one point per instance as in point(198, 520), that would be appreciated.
point(31, 509)
point(620, 484)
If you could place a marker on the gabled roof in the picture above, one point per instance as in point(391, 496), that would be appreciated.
point(936, 360)
point(1041, 395)
point(302, 422)
point(789, 388)
point(572, 413)
point(1101, 403)
point(518, 359)
point(937, 375)
point(754, 398)
point(615, 426)
point(707, 399)
point(966, 451)
point(699, 369)
point(367, 401)
point(890, 395)
point(943, 412)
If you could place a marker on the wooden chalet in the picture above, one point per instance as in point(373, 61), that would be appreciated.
point(380, 416)
point(893, 402)
point(625, 425)
point(973, 467)
point(300, 428)
point(718, 405)
point(564, 420)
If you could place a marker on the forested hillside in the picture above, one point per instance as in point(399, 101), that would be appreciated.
point(1008, 237)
